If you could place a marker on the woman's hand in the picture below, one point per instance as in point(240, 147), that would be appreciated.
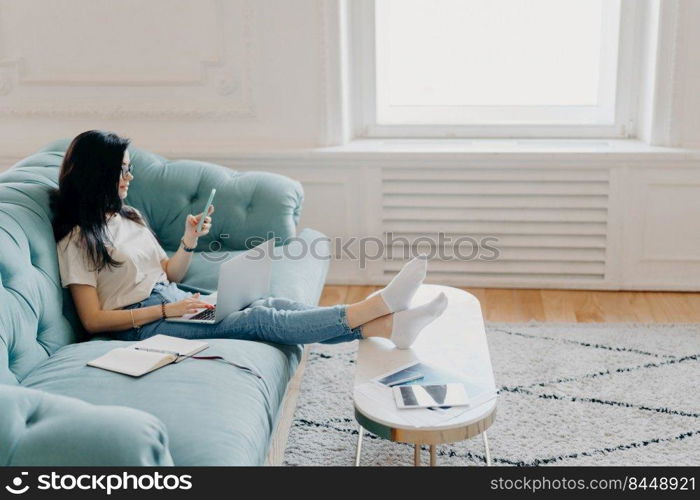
point(191, 233)
point(186, 306)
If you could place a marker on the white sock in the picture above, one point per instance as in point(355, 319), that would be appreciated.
point(408, 324)
point(398, 293)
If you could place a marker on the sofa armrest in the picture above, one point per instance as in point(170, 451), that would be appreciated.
point(42, 429)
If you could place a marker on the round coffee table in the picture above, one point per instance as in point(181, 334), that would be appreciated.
point(456, 342)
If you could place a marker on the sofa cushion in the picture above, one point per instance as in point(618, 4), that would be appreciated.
point(215, 414)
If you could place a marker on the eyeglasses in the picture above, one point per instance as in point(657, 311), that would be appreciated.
point(127, 169)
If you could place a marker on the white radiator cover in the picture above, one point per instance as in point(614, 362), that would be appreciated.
point(549, 223)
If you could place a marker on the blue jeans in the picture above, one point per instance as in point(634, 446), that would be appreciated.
point(272, 320)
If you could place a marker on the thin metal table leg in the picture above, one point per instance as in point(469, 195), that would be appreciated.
point(416, 455)
point(433, 459)
point(358, 452)
point(486, 447)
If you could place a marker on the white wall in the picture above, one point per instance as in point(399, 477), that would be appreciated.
point(171, 74)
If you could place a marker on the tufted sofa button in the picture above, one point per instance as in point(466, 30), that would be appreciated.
point(31, 419)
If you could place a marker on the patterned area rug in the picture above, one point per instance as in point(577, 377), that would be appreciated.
point(570, 394)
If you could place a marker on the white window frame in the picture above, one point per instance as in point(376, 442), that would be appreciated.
point(623, 122)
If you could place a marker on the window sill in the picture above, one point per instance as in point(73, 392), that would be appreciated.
point(507, 146)
point(632, 151)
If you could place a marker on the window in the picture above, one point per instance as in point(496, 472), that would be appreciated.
point(494, 67)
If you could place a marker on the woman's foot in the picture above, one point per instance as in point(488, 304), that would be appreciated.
point(398, 293)
point(409, 323)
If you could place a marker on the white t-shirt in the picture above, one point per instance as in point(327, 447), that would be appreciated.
point(133, 281)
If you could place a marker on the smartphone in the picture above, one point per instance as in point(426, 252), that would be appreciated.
point(206, 210)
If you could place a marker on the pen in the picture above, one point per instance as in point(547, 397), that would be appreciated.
point(158, 351)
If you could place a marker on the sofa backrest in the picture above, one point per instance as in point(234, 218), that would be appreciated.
point(37, 315)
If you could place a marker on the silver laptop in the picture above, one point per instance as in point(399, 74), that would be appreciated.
point(242, 280)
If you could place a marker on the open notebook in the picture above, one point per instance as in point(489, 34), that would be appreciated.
point(148, 355)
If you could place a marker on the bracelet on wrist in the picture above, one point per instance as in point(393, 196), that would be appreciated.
point(162, 309)
point(186, 248)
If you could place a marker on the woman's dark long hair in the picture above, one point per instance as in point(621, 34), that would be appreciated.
point(88, 191)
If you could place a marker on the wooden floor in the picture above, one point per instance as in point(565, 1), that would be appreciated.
point(582, 306)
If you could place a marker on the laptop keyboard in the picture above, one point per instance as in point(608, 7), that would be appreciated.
point(206, 314)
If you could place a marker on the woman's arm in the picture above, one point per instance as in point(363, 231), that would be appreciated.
point(95, 319)
point(176, 266)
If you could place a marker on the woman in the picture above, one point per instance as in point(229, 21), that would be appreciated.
point(123, 283)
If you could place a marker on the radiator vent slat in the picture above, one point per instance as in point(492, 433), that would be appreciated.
point(508, 266)
point(497, 214)
point(502, 227)
point(496, 175)
point(467, 251)
point(523, 200)
point(504, 240)
point(462, 187)
point(507, 279)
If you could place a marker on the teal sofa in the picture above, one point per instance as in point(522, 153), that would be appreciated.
point(55, 410)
